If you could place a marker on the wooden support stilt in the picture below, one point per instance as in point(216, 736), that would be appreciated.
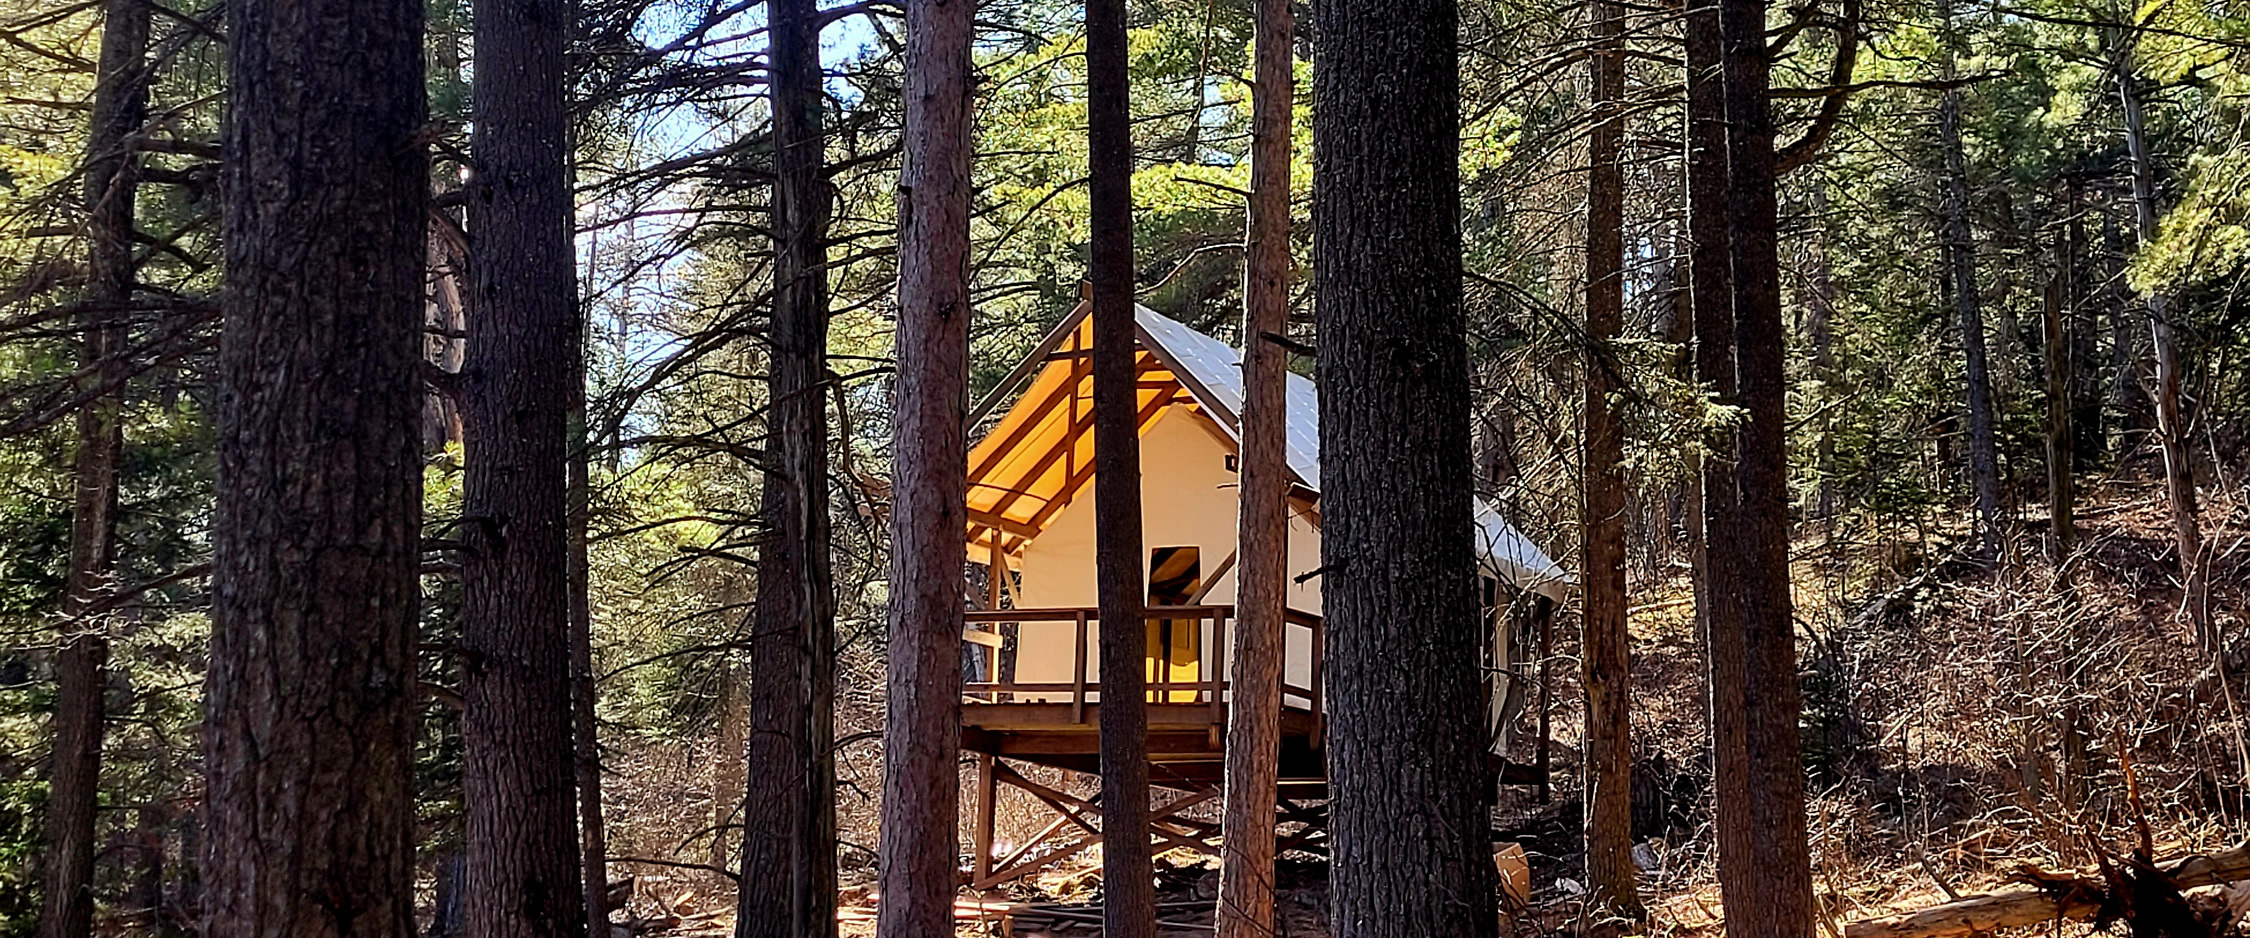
point(988, 793)
point(1167, 830)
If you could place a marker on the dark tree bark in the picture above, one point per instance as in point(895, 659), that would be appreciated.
point(1128, 890)
point(789, 817)
point(1410, 809)
point(1758, 571)
point(74, 779)
point(922, 723)
point(310, 697)
point(517, 726)
point(1253, 756)
point(1961, 260)
point(1605, 646)
point(1718, 610)
point(2171, 430)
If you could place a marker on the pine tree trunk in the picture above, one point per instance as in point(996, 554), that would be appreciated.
point(1961, 260)
point(1718, 610)
point(1253, 756)
point(310, 697)
point(593, 837)
point(789, 817)
point(1759, 558)
point(929, 470)
point(518, 731)
point(1128, 892)
point(2171, 431)
point(1410, 814)
point(1605, 646)
point(120, 107)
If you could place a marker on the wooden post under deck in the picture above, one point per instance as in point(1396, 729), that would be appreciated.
point(988, 792)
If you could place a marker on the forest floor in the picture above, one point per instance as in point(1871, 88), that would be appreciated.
point(1962, 721)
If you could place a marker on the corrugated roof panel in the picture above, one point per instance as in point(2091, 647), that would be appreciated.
point(1021, 489)
point(1217, 367)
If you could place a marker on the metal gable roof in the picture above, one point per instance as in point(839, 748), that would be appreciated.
point(1212, 371)
point(1036, 457)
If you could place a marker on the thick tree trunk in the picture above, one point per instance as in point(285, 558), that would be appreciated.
point(1961, 260)
point(1410, 811)
point(1759, 557)
point(1605, 647)
point(1253, 757)
point(1718, 610)
point(1263, 525)
point(310, 698)
point(1128, 892)
point(74, 779)
point(789, 817)
point(518, 734)
point(2171, 430)
point(922, 722)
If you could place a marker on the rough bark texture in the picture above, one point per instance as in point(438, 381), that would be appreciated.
point(2171, 431)
point(1253, 757)
point(1605, 648)
point(1718, 611)
point(922, 724)
point(789, 817)
point(310, 696)
point(518, 736)
point(1781, 907)
point(1410, 809)
point(1961, 260)
point(1128, 889)
point(74, 779)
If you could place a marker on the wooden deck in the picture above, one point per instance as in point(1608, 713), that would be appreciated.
point(1058, 724)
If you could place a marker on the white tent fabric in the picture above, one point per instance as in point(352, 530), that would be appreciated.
point(1212, 371)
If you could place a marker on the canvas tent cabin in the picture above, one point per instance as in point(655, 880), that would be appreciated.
point(1035, 690)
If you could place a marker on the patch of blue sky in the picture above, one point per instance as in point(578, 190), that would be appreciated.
point(630, 235)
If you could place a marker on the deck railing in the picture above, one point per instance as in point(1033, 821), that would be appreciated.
point(1211, 689)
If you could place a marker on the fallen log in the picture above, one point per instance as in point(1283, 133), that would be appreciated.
point(2069, 896)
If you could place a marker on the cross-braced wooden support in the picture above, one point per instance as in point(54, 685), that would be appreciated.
point(1166, 828)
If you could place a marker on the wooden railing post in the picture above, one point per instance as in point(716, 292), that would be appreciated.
point(1215, 681)
point(1078, 675)
point(1319, 703)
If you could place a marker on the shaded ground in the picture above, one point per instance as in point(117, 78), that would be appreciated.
point(1960, 721)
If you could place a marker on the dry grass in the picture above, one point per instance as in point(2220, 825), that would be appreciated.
point(1961, 721)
